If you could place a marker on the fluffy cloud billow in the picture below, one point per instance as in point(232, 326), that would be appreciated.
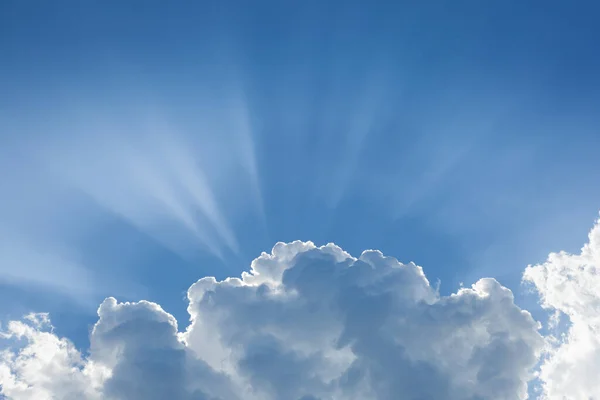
point(309, 323)
point(569, 286)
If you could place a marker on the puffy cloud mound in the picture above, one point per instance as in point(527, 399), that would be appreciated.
point(305, 323)
point(569, 284)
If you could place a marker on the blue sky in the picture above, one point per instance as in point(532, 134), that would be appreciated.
point(143, 147)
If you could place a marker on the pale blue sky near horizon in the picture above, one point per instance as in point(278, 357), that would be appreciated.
point(143, 147)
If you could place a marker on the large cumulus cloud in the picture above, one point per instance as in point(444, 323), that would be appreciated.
point(305, 322)
point(569, 285)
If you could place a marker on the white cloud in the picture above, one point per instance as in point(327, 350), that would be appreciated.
point(46, 367)
point(569, 284)
point(304, 323)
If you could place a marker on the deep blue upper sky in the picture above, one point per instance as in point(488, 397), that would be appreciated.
point(460, 135)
